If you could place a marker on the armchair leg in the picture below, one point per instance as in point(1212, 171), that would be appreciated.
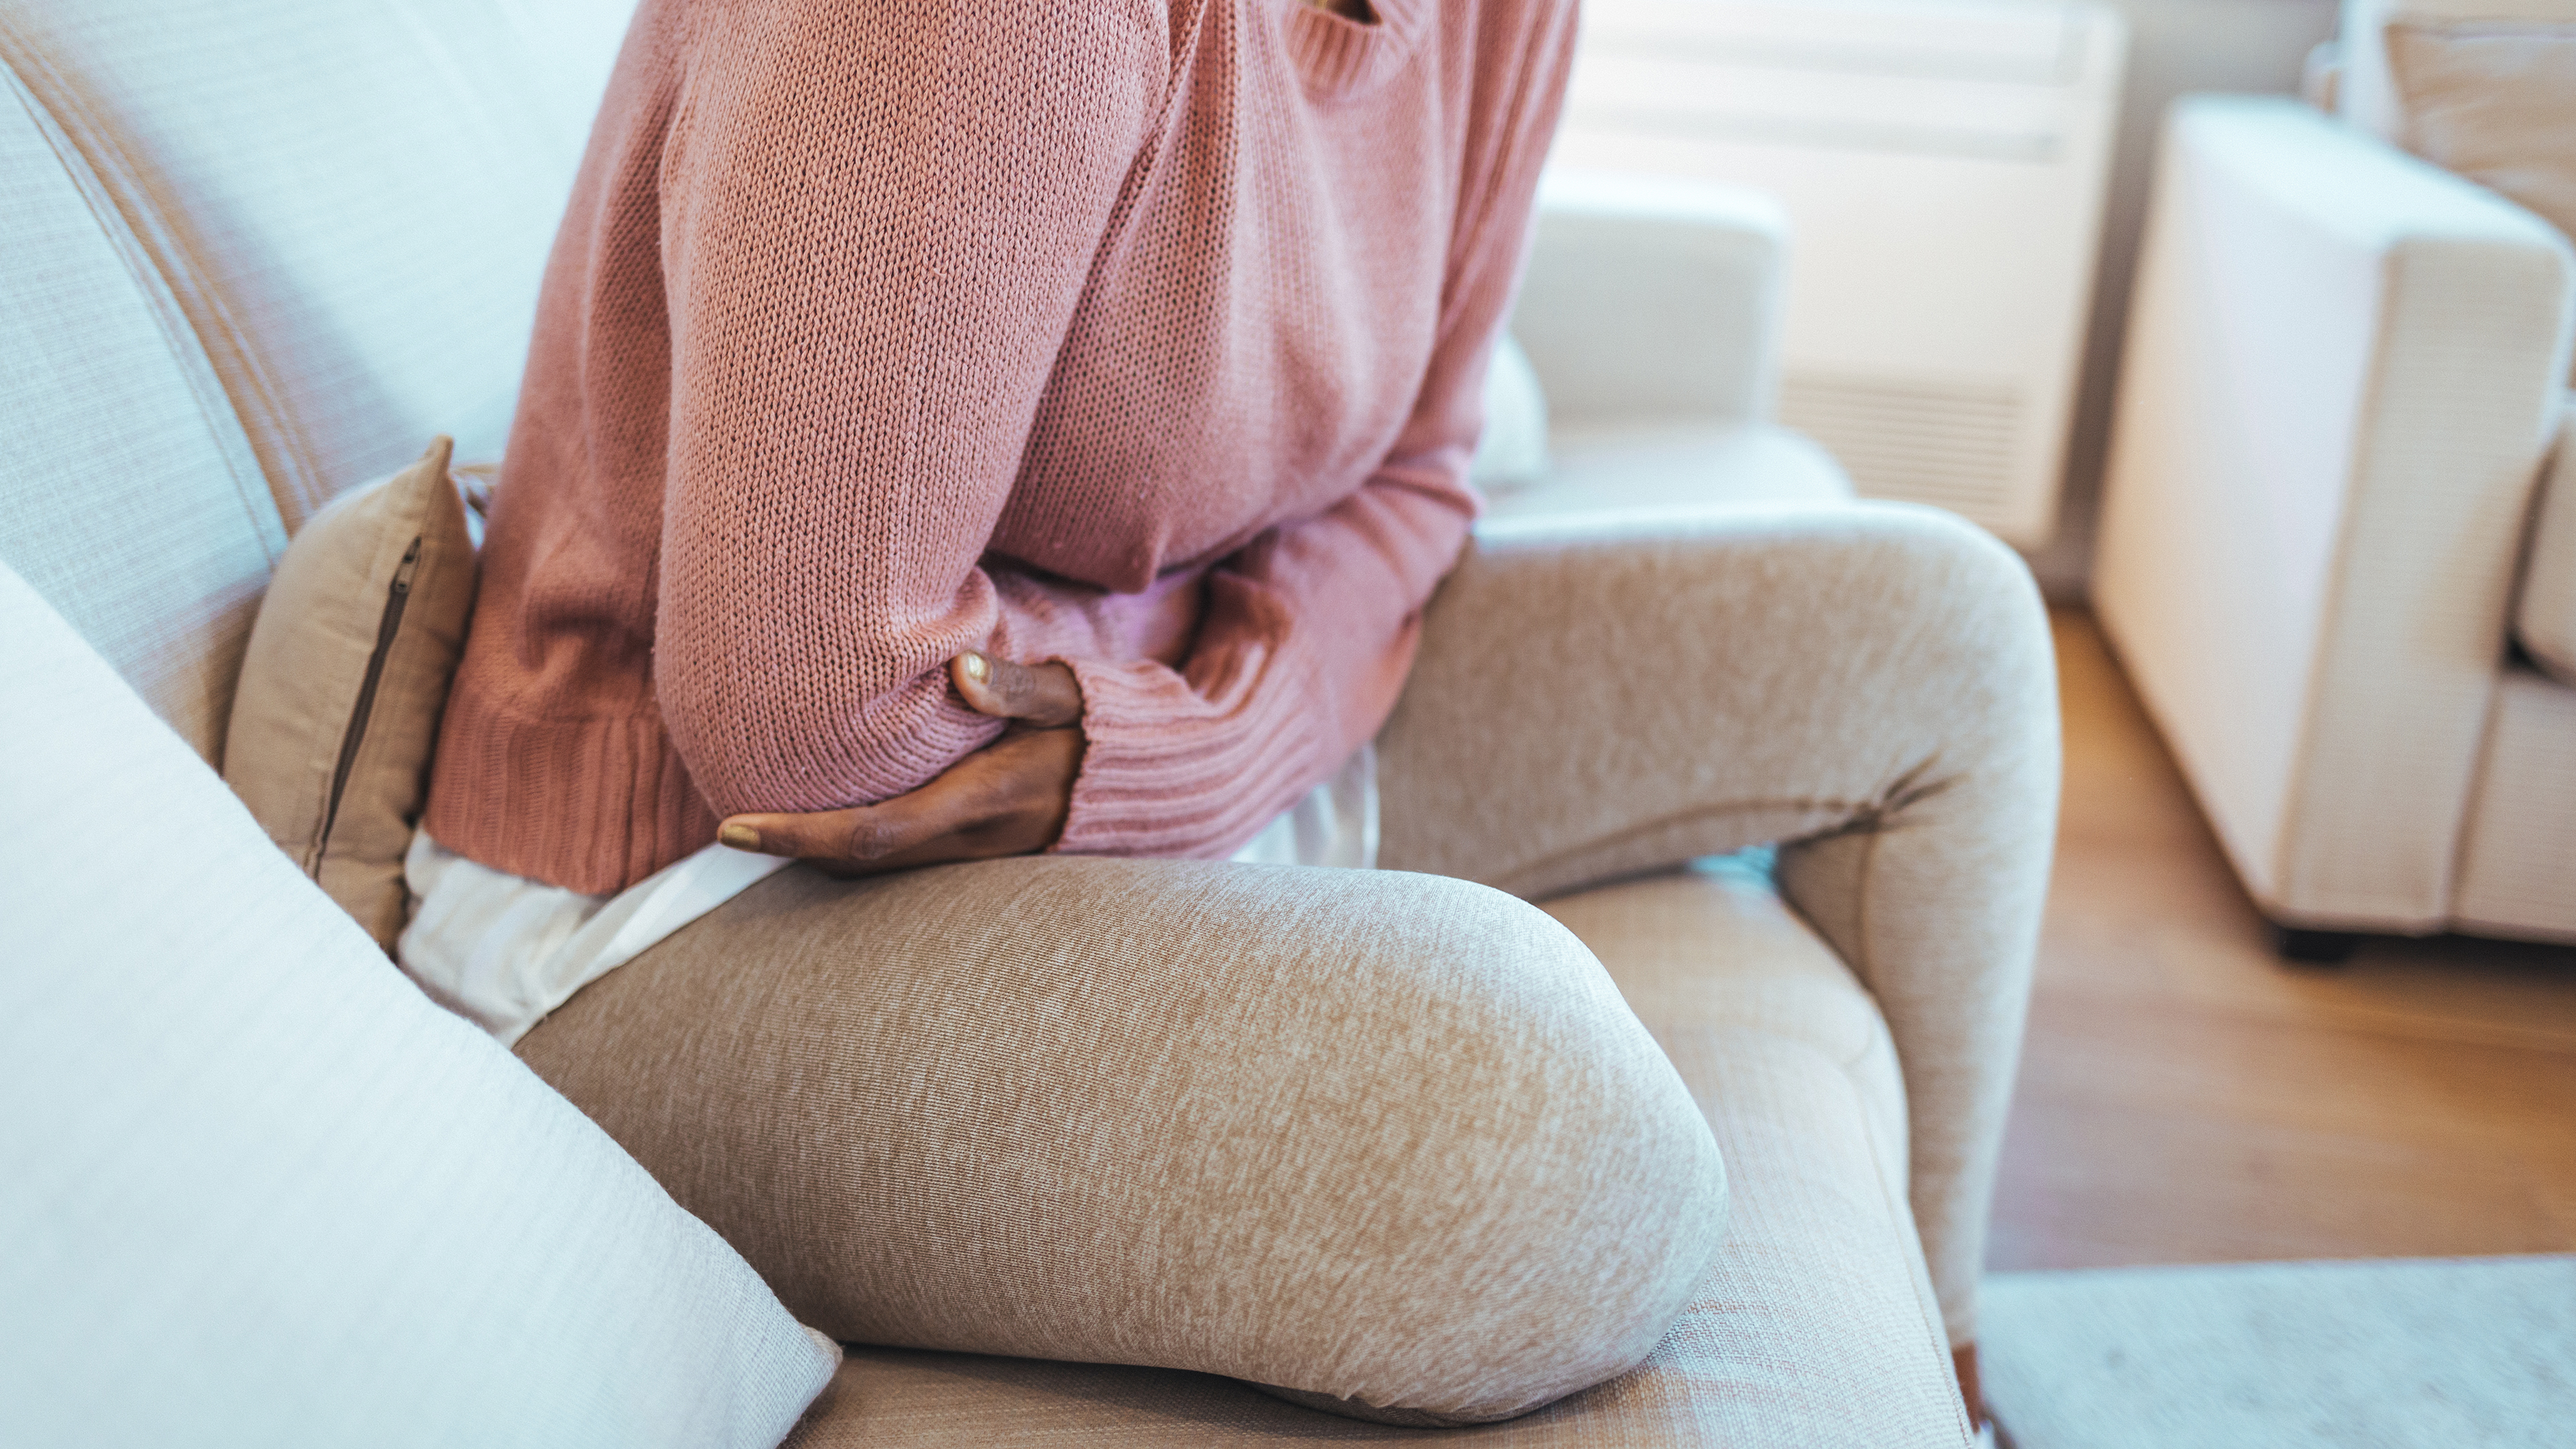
point(2314, 948)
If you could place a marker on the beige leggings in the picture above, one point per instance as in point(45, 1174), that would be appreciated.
point(1871, 684)
point(1388, 1141)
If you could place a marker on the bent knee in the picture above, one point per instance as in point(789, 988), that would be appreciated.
point(1381, 1138)
point(1531, 1194)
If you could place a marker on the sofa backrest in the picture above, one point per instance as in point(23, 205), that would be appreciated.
point(2364, 94)
point(255, 252)
point(129, 495)
point(351, 202)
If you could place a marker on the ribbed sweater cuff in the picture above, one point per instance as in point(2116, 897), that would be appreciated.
point(1167, 773)
point(592, 805)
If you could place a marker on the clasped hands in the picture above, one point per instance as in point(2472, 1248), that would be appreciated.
point(1008, 798)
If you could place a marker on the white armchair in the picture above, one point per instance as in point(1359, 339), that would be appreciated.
point(2344, 375)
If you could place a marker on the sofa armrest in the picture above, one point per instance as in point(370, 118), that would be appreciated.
point(1653, 300)
point(2342, 366)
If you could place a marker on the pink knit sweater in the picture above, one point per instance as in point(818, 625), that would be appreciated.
point(1143, 334)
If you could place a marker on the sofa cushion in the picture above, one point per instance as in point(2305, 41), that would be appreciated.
point(2518, 844)
point(353, 203)
point(128, 495)
point(2495, 103)
point(2545, 614)
point(1648, 470)
point(257, 1190)
point(2364, 91)
point(1815, 1325)
point(340, 697)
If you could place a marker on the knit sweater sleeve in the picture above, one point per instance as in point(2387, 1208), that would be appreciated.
point(877, 220)
point(1307, 634)
point(1302, 646)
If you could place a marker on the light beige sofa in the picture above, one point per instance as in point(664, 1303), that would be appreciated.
point(256, 254)
point(2332, 558)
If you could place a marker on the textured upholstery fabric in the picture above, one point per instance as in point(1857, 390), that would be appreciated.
point(2365, 94)
point(1654, 300)
point(1656, 306)
point(351, 202)
point(1651, 469)
point(256, 1191)
point(1813, 1326)
point(2518, 849)
point(1512, 450)
point(337, 708)
point(1604, 693)
point(128, 496)
point(2342, 374)
point(1377, 1136)
point(2545, 615)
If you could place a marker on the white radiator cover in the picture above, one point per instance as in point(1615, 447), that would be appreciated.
point(1943, 165)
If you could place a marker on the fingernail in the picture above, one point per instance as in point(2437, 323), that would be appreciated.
point(740, 837)
point(977, 669)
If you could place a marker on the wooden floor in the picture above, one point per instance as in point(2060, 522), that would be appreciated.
point(2187, 1098)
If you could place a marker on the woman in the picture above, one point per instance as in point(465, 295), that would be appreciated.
point(1146, 340)
point(960, 430)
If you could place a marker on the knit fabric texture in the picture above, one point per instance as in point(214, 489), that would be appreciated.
point(1148, 336)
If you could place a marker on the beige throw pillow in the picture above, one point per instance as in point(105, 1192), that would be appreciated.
point(2494, 101)
point(346, 677)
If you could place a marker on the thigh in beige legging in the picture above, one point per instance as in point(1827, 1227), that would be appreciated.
point(1869, 686)
point(1389, 1142)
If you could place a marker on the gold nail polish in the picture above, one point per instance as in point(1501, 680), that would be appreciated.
point(740, 837)
point(976, 667)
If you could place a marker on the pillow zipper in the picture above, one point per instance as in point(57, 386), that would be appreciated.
point(396, 598)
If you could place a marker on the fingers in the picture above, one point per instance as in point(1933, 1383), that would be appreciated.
point(861, 833)
point(1046, 695)
point(1010, 798)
